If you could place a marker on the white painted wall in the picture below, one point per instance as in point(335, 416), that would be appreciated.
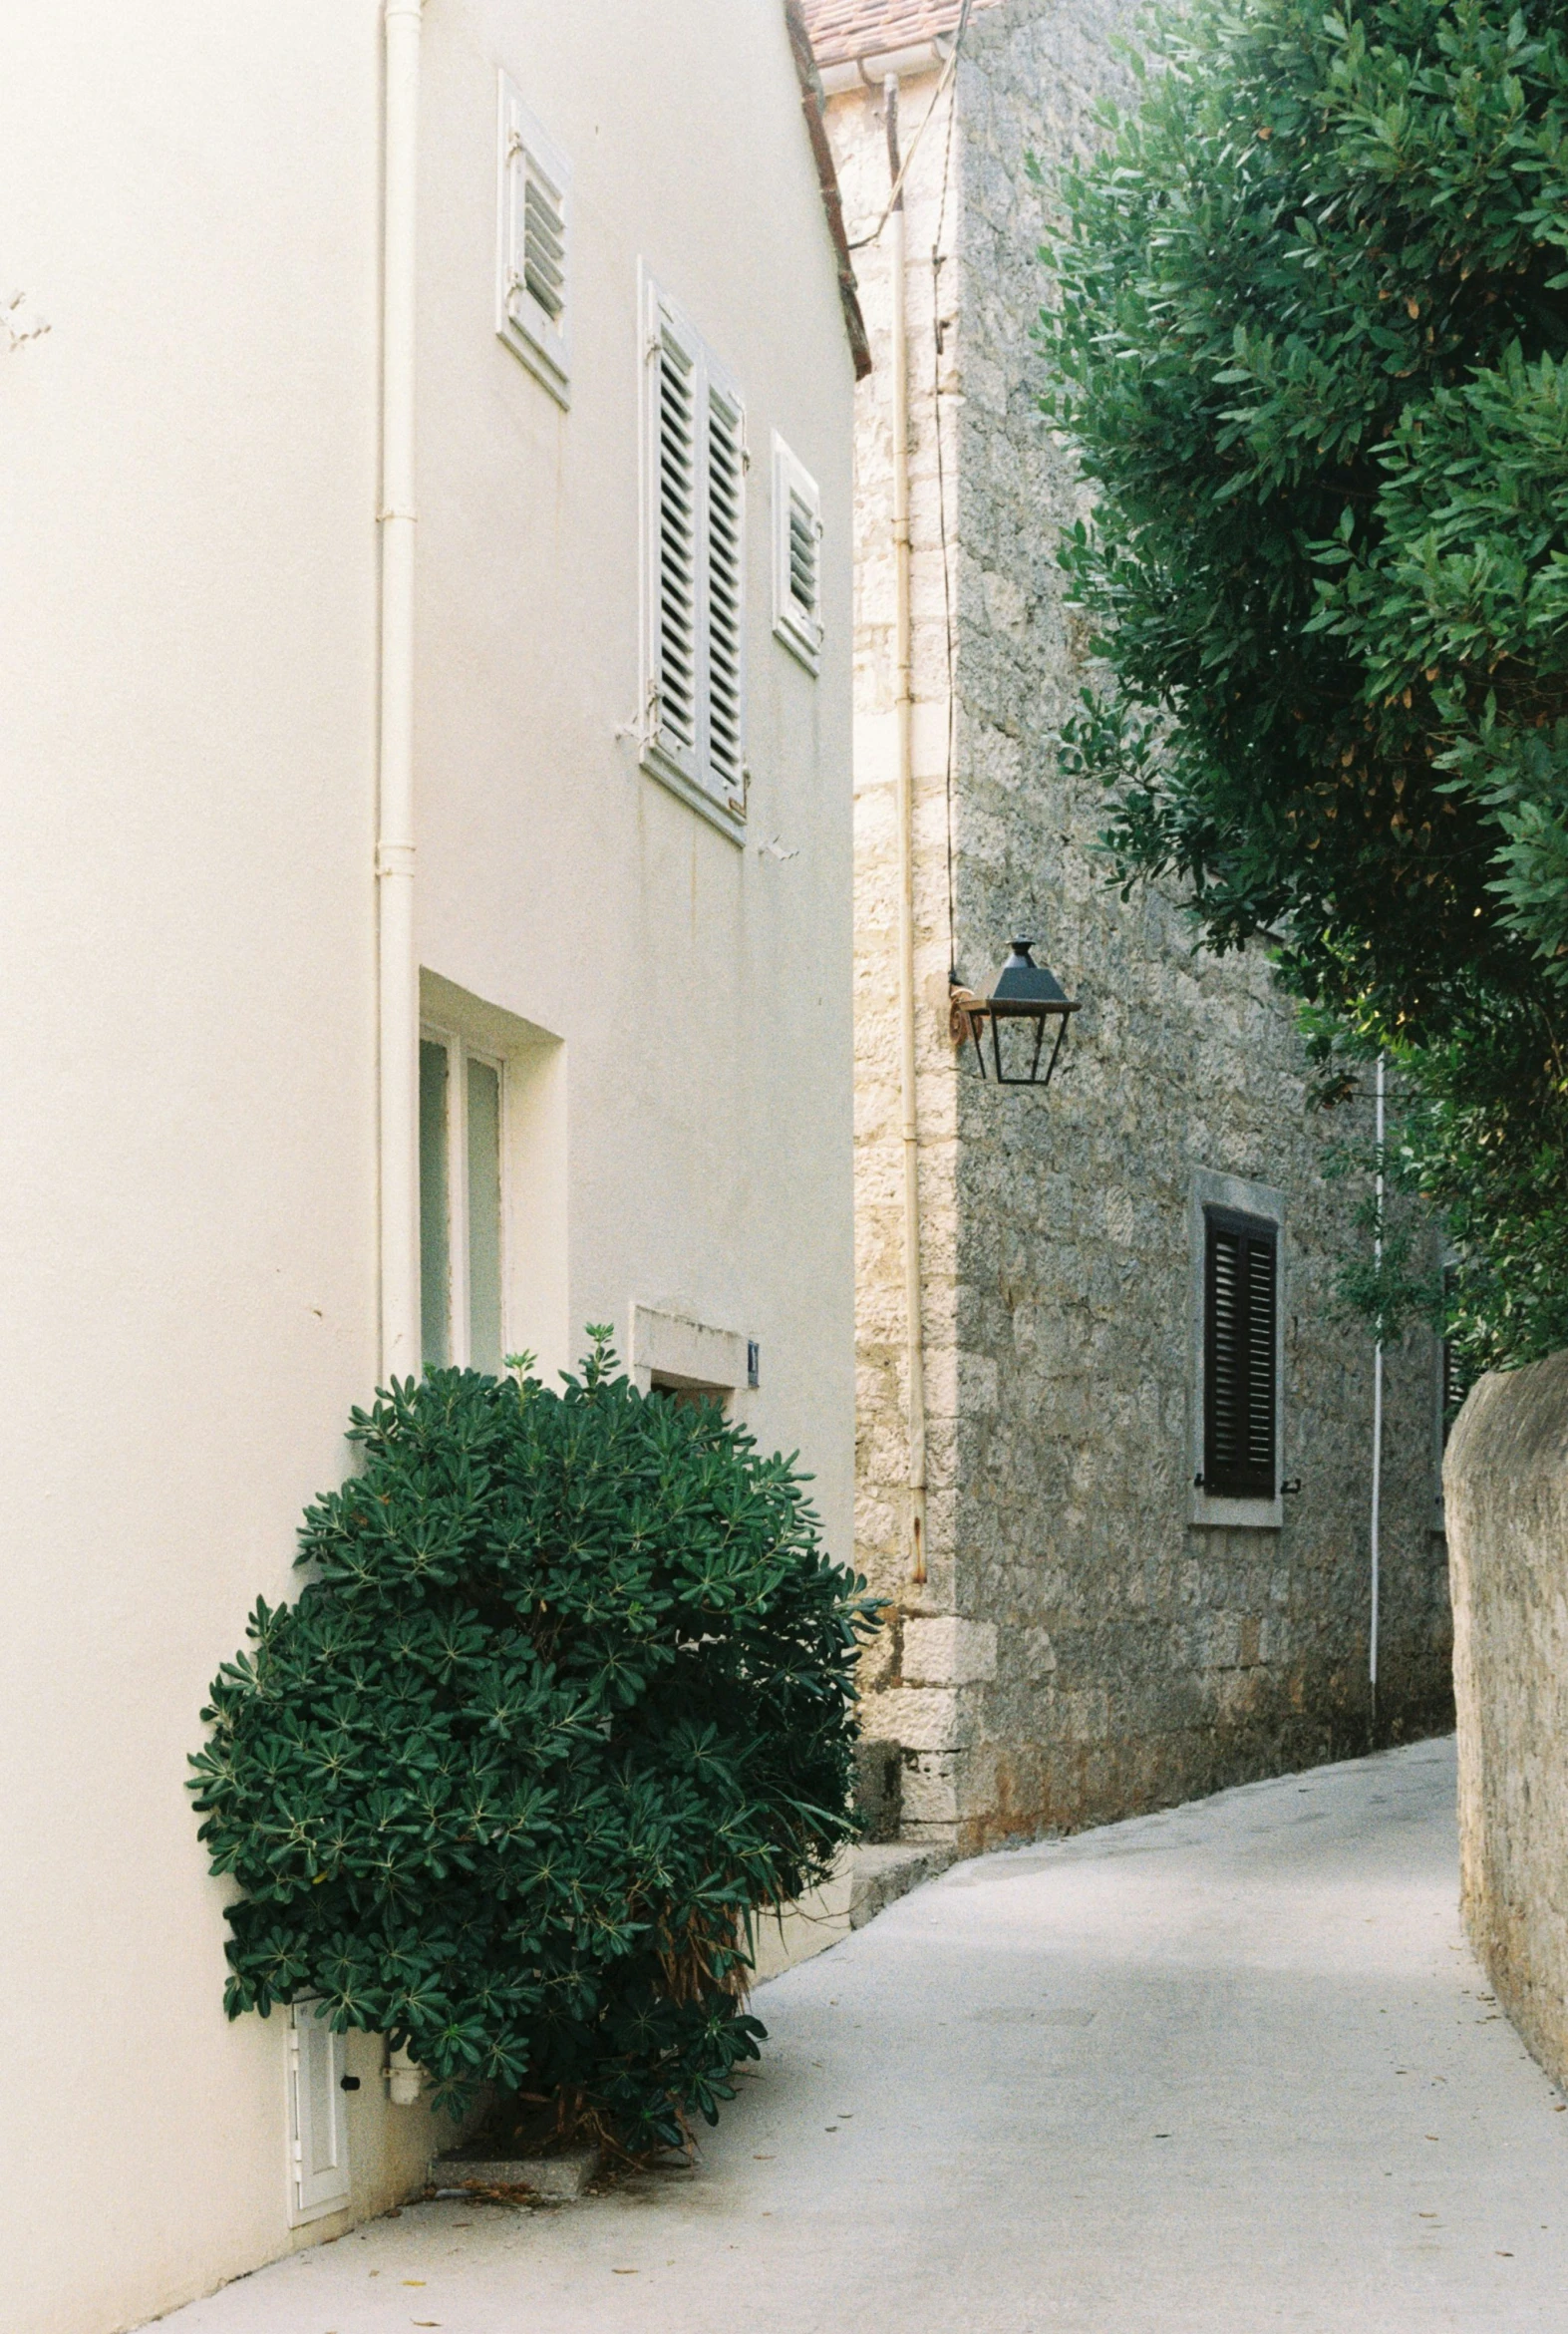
point(187, 1139)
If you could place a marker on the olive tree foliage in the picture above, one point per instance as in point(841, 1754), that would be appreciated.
point(565, 1707)
point(1310, 340)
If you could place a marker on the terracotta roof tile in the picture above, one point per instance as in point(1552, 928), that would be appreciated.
point(845, 29)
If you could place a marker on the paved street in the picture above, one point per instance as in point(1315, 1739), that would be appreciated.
point(1226, 2067)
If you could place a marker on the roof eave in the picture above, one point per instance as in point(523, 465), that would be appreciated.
point(813, 106)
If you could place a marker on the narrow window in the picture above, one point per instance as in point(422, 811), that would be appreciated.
point(462, 1102)
point(694, 463)
point(797, 538)
point(534, 282)
point(485, 1290)
point(1240, 1390)
point(435, 1205)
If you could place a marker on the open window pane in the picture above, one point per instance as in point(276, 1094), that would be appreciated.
point(435, 1205)
point(485, 1294)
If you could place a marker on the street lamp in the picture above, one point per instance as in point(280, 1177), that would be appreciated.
point(1022, 1002)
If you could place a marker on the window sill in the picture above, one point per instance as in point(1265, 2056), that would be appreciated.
point(806, 650)
point(1237, 1514)
point(535, 359)
point(728, 822)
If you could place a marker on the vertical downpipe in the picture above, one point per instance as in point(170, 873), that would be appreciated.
point(1376, 1422)
point(903, 700)
point(398, 962)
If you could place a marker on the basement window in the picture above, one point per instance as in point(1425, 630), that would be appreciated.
point(318, 2115)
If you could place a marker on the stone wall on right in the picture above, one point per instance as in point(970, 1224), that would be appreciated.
point(1094, 1637)
point(1505, 1489)
point(1146, 1649)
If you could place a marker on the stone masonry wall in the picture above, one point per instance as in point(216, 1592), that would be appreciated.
point(1082, 1649)
point(1507, 1503)
point(923, 1724)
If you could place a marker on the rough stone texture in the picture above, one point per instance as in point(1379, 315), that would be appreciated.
point(1139, 1659)
point(1505, 1486)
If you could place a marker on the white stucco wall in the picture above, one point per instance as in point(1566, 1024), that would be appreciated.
point(188, 635)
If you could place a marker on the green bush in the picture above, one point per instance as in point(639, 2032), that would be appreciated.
point(568, 1705)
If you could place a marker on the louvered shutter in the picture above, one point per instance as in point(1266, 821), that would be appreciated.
point(533, 241)
point(797, 556)
point(1240, 1338)
point(318, 2115)
point(675, 436)
point(1458, 1372)
point(724, 758)
point(695, 638)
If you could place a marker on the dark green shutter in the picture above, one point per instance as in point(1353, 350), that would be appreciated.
point(1240, 1303)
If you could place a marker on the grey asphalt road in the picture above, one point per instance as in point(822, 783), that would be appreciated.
point(1216, 2071)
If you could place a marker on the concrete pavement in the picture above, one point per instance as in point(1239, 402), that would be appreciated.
point(1216, 2071)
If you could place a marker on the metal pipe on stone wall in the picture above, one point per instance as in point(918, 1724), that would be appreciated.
point(398, 1004)
point(903, 701)
point(890, 63)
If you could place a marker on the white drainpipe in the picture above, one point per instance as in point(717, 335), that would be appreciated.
point(399, 998)
point(903, 661)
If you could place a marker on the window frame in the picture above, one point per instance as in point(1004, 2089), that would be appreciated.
point(801, 629)
point(1224, 1195)
point(689, 771)
point(525, 326)
point(461, 1052)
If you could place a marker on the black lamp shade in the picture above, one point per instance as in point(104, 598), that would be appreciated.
point(1023, 1001)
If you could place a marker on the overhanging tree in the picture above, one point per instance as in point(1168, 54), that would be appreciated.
point(1309, 337)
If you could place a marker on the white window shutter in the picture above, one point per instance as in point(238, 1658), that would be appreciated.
point(533, 244)
point(694, 459)
point(798, 557)
point(676, 503)
point(724, 771)
point(318, 2115)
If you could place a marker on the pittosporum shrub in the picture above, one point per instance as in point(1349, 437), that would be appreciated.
point(566, 1707)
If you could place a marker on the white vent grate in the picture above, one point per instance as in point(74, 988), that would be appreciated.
point(533, 245)
point(798, 557)
point(802, 558)
point(544, 244)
